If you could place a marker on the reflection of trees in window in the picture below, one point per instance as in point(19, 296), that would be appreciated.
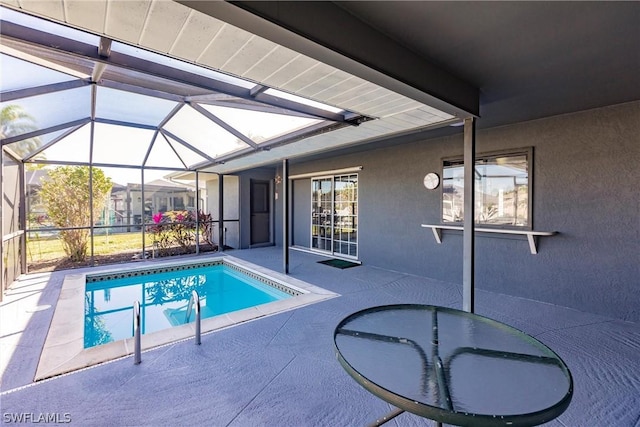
point(15, 121)
point(501, 187)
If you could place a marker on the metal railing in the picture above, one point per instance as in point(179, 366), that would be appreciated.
point(194, 301)
point(137, 353)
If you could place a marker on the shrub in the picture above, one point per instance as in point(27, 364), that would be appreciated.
point(177, 229)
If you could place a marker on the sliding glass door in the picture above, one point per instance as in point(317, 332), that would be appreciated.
point(334, 214)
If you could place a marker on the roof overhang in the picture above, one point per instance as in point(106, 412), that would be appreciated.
point(324, 31)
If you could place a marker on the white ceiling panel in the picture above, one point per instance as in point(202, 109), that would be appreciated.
point(404, 120)
point(164, 23)
point(89, 15)
point(196, 34)
point(350, 96)
point(398, 122)
point(313, 75)
point(246, 58)
point(348, 84)
point(226, 44)
point(369, 100)
point(48, 8)
point(290, 71)
point(273, 61)
point(423, 115)
point(126, 19)
point(381, 126)
point(363, 132)
point(326, 83)
point(436, 112)
point(393, 106)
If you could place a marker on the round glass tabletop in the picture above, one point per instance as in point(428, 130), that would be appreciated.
point(452, 366)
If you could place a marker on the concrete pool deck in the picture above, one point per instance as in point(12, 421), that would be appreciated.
point(281, 369)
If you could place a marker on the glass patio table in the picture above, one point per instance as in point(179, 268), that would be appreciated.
point(452, 366)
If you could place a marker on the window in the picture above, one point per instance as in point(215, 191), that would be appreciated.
point(502, 189)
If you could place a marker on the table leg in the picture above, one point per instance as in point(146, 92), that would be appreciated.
point(391, 415)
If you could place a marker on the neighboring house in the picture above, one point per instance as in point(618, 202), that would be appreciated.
point(125, 208)
point(160, 195)
point(37, 211)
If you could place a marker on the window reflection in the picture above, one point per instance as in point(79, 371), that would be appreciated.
point(501, 190)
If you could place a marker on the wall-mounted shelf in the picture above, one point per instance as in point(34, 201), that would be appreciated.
point(531, 235)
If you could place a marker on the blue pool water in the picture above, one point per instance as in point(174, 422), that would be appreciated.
point(164, 297)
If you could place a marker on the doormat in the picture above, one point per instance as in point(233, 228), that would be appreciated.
point(339, 263)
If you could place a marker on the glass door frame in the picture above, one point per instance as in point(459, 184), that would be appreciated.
point(323, 233)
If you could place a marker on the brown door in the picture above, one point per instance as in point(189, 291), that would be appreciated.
point(260, 212)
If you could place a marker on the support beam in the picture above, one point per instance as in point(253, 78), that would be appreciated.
point(22, 217)
point(104, 47)
point(35, 133)
point(2, 284)
point(148, 153)
point(224, 125)
point(468, 255)
point(42, 90)
point(174, 151)
point(142, 197)
point(123, 123)
point(221, 213)
point(91, 140)
point(285, 215)
point(197, 206)
point(189, 146)
point(43, 147)
point(257, 90)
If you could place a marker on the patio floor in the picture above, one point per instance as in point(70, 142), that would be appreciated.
point(281, 370)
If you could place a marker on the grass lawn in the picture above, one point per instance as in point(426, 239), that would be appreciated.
point(46, 253)
point(50, 248)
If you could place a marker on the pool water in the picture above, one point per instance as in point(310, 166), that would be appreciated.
point(164, 298)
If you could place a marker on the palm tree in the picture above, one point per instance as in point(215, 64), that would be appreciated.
point(15, 121)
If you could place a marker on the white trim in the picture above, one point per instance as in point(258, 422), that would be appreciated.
point(12, 235)
point(329, 172)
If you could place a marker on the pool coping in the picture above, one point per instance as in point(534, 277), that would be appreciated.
point(64, 351)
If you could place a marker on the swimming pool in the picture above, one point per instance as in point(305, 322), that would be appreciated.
point(164, 295)
point(64, 348)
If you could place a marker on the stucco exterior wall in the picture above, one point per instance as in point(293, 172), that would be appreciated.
point(585, 186)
